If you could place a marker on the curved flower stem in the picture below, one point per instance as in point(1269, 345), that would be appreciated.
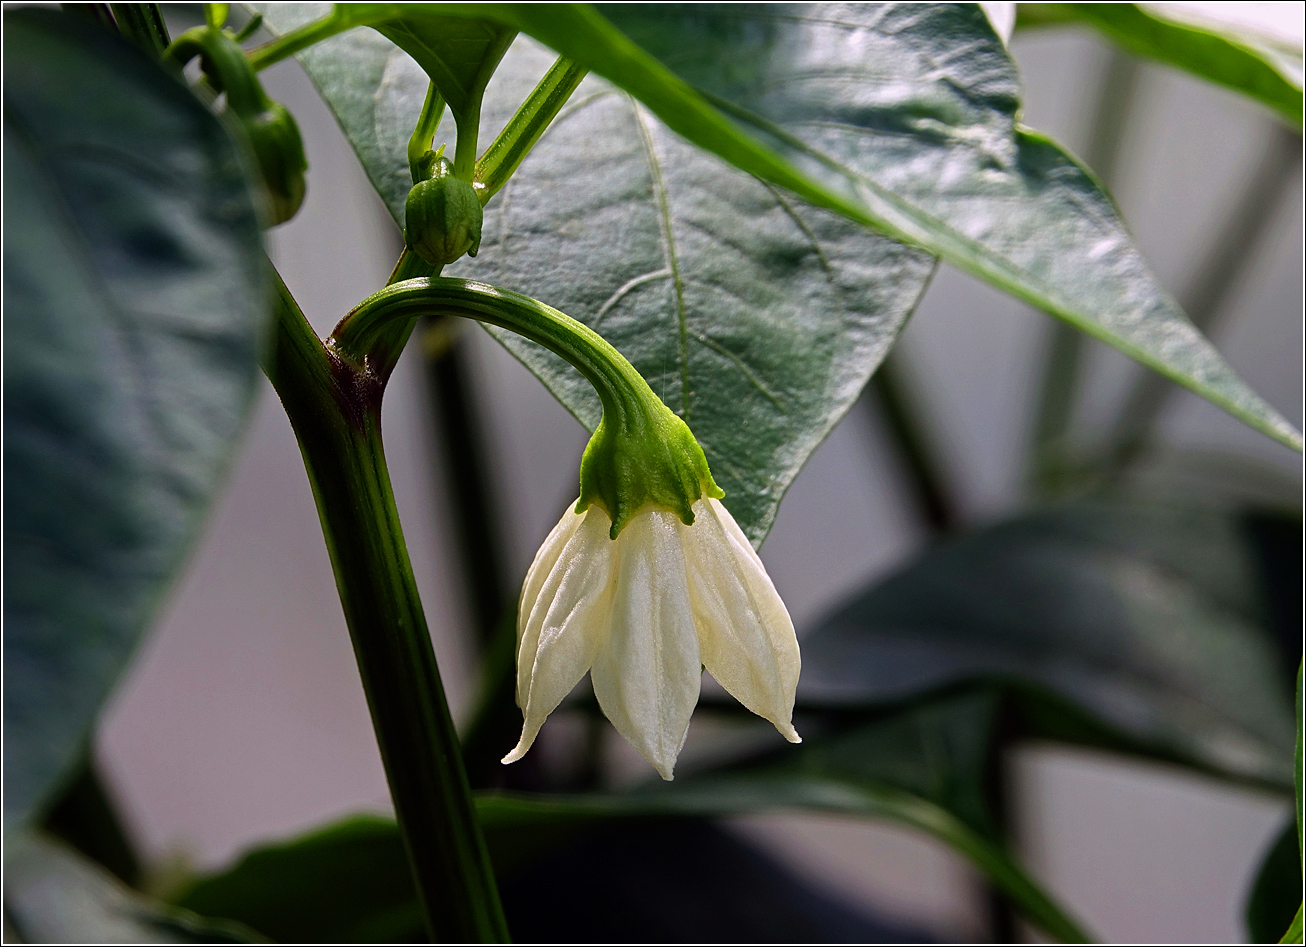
point(614, 379)
point(335, 409)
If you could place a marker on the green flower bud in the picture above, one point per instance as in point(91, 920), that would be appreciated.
point(442, 216)
point(279, 150)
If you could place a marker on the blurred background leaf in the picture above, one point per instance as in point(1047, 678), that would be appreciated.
point(1260, 64)
point(560, 882)
point(1157, 620)
point(55, 896)
point(133, 302)
point(1275, 896)
point(920, 766)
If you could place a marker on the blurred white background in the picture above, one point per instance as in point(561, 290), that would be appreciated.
point(243, 719)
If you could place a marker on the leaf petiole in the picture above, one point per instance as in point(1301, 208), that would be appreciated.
point(288, 44)
point(526, 126)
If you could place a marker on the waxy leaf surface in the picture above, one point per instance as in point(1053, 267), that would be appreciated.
point(133, 297)
point(903, 117)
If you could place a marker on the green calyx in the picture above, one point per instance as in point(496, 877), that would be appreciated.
point(442, 216)
point(643, 457)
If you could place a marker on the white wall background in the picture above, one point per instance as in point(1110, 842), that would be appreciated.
point(243, 719)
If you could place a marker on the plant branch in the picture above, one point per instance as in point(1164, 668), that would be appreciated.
point(526, 126)
point(288, 44)
point(335, 409)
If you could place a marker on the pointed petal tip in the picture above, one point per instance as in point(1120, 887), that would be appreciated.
point(789, 733)
point(524, 744)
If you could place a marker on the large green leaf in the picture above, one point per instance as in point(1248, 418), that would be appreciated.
point(54, 896)
point(922, 766)
point(1264, 67)
point(902, 117)
point(133, 294)
point(1150, 617)
point(756, 317)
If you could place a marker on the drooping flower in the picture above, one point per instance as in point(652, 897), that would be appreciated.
point(648, 579)
point(645, 613)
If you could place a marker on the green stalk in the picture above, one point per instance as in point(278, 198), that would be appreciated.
point(615, 380)
point(305, 36)
point(419, 143)
point(526, 126)
point(143, 25)
point(334, 405)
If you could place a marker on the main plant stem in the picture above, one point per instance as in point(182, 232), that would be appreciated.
point(334, 406)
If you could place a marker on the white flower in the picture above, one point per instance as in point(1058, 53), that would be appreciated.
point(645, 613)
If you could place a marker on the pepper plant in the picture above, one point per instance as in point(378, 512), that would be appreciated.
point(703, 227)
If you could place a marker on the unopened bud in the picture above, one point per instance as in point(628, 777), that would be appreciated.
point(442, 217)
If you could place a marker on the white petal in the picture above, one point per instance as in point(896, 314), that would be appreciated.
point(545, 559)
point(746, 637)
point(540, 589)
point(567, 624)
point(647, 675)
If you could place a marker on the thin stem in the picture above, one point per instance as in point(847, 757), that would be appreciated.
point(249, 29)
point(468, 112)
point(225, 62)
point(335, 409)
point(1063, 364)
point(419, 143)
point(143, 25)
point(215, 15)
point(615, 380)
point(1206, 298)
point(915, 448)
point(305, 36)
point(526, 126)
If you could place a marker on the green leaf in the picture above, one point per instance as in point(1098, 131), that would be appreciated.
point(54, 896)
point(921, 767)
point(1276, 893)
point(1149, 617)
point(133, 302)
point(458, 54)
point(1263, 67)
point(902, 117)
point(347, 883)
point(756, 317)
